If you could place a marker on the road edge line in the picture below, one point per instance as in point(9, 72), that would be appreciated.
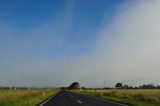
point(101, 99)
point(48, 99)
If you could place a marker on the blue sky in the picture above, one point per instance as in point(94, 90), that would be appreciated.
point(71, 24)
point(57, 42)
point(75, 21)
point(28, 14)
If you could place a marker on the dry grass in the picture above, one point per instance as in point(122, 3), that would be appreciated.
point(23, 97)
point(136, 97)
point(151, 95)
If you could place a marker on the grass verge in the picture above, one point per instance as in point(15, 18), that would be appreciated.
point(129, 97)
point(23, 97)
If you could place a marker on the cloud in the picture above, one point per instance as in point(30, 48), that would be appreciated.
point(126, 50)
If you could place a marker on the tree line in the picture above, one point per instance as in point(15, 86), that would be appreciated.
point(76, 86)
point(144, 86)
point(119, 85)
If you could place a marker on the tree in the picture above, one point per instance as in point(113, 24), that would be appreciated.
point(119, 85)
point(148, 86)
point(74, 85)
point(83, 88)
point(126, 86)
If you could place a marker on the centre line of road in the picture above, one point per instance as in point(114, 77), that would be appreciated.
point(79, 101)
point(69, 95)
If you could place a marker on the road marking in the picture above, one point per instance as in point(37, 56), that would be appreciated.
point(79, 101)
point(69, 95)
point(46, 101)
point(103, 100)
point(111, 102)
point(108, 101)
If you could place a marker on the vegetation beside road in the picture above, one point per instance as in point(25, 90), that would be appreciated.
point(23, 97)
point(132, 97)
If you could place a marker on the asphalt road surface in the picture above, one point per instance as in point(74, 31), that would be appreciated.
point(65, 98)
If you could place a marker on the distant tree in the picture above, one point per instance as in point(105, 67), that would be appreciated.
point(74, 86)
point(83, 88)
point(119, 85)
point(158, 86)
point(148, 86)
point(131, 87)
point(140, 87)
point(126, 86)
point(135, 87)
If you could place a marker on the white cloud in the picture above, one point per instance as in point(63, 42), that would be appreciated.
point(127, 50)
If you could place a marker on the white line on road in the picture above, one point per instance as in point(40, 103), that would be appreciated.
point(103, 100)
point(109, 101)
point(112, 102)
point(72, 97)
point(69, 95)
point(46, 101)
point(79, 101)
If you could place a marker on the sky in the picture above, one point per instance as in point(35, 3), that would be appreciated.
point(52, 43)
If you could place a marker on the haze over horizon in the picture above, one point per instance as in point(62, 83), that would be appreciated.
point(54, 43)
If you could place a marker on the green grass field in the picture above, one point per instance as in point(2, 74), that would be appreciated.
point(23, 97)
point(132, 97)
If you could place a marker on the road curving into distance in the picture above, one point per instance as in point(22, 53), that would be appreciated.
point(65, 98)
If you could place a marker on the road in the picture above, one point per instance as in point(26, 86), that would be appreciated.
point(65, 98)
